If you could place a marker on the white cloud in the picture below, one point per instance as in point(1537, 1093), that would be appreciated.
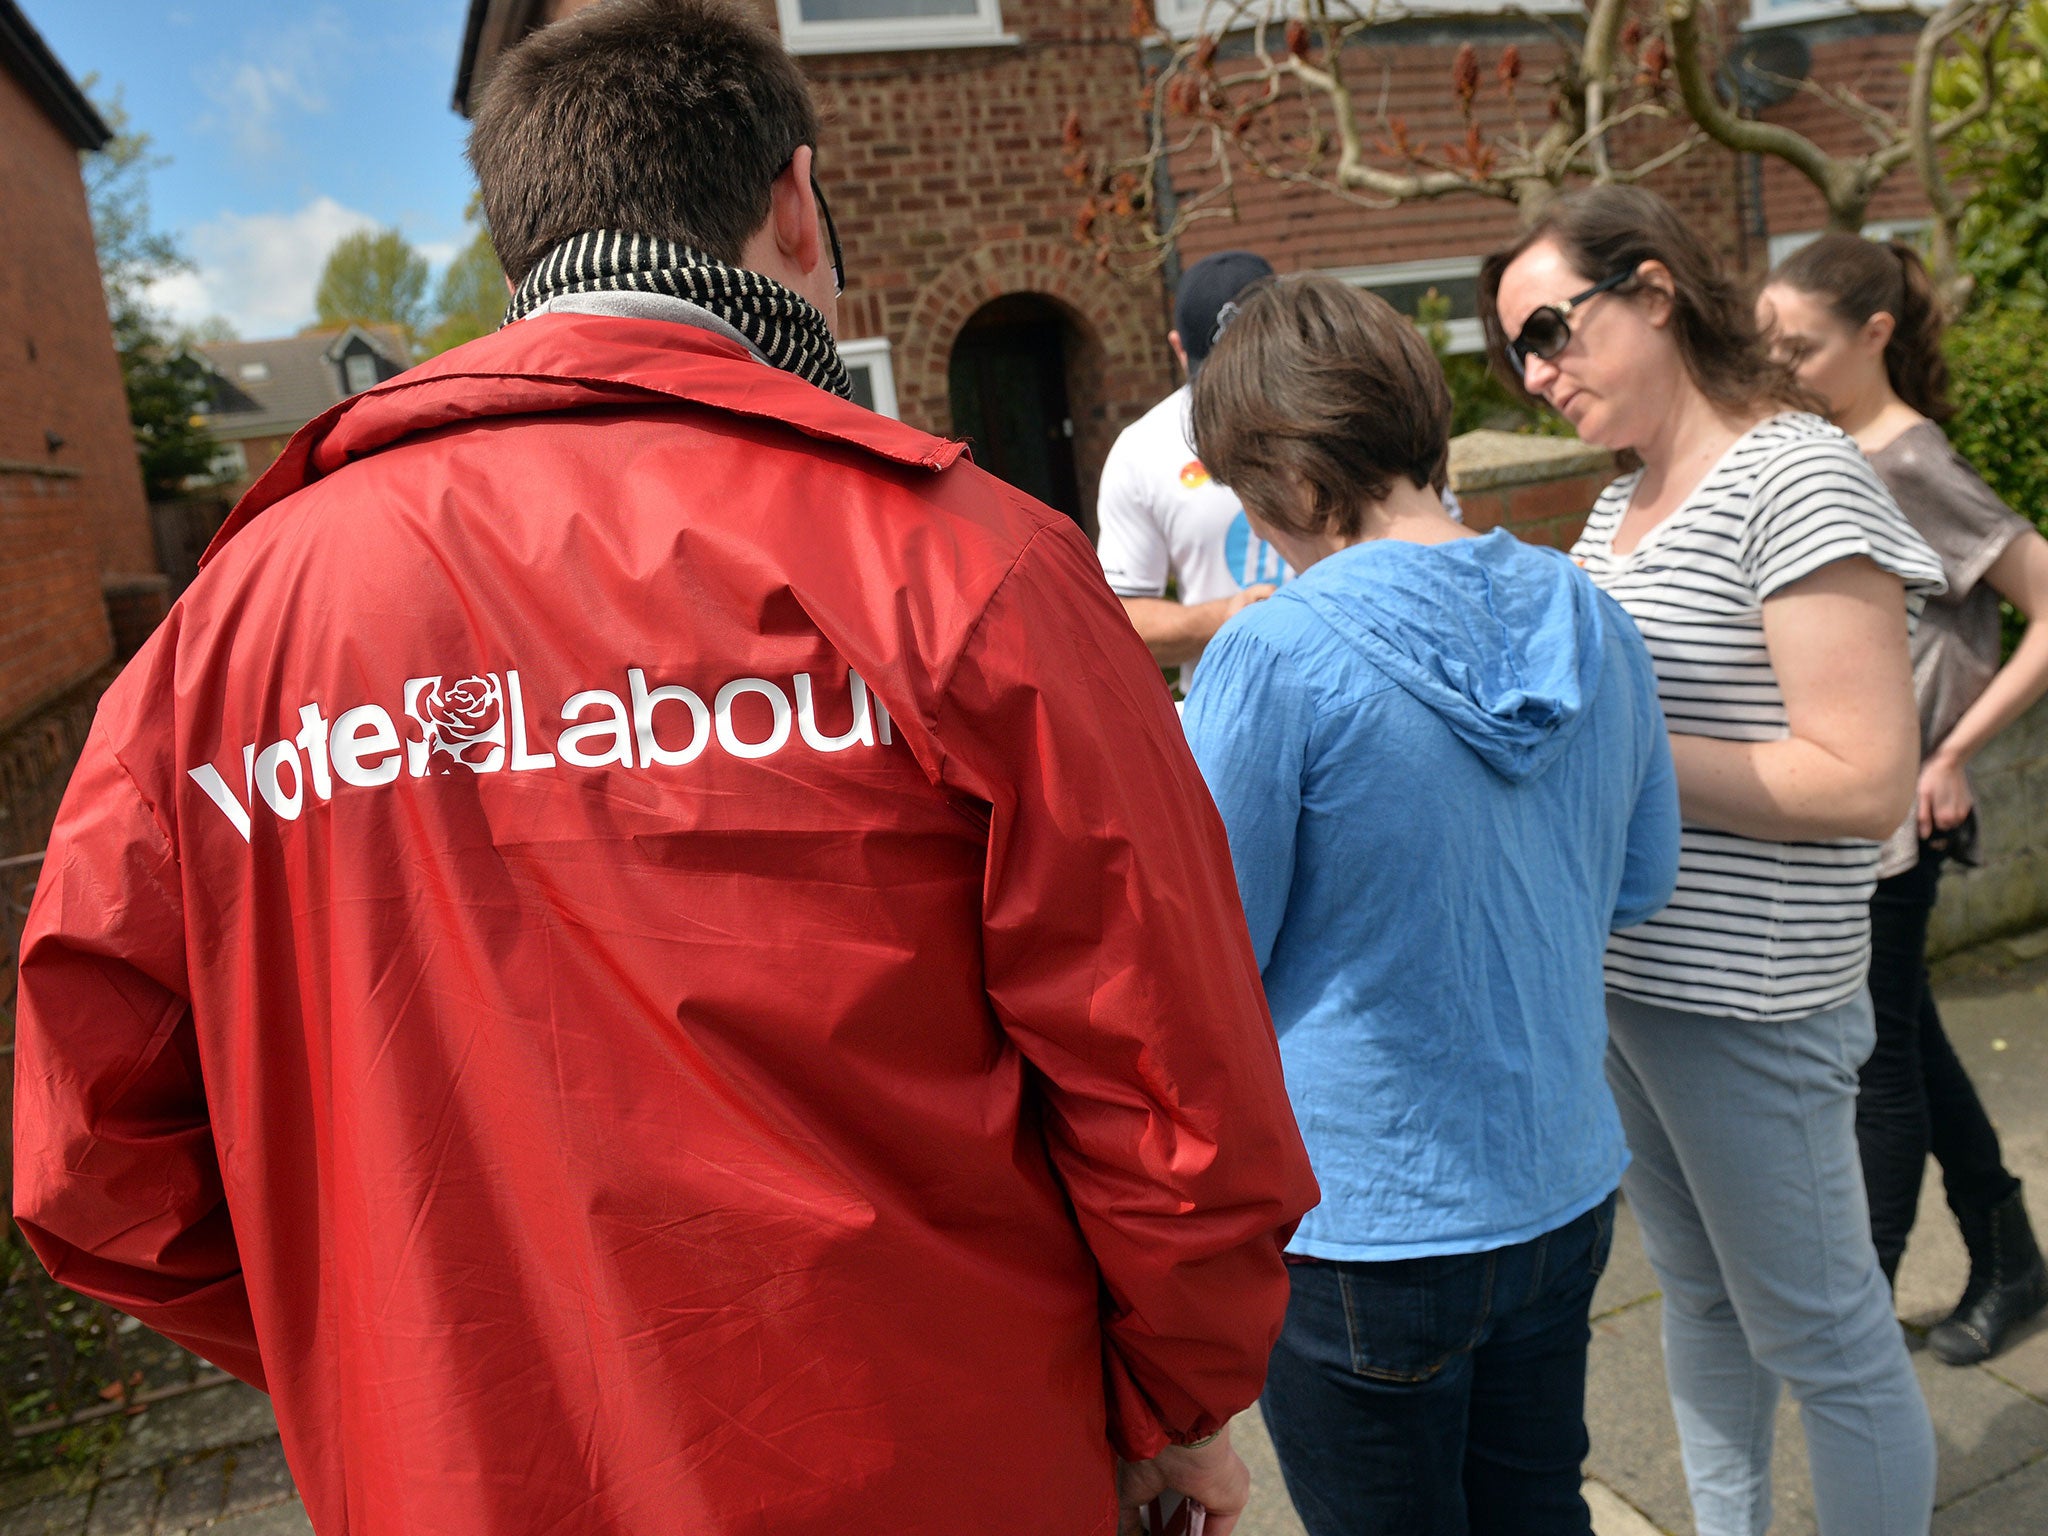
point(287, 70)
point(259, 269)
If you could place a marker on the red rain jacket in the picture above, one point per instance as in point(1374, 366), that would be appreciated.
point(644, 951)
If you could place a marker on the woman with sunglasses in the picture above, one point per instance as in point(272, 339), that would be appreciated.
point(1861, 323)
point(1771, 574)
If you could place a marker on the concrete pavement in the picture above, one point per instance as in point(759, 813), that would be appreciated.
point(211, 1461)
point(1991, 1421)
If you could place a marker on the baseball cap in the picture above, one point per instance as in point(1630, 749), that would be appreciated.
point(1207, 298)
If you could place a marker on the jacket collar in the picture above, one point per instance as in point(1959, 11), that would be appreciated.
point(563, 362)
point(631, 304)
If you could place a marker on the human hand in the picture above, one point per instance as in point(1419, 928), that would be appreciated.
point(1943, 799)
point(1213, 1474)
point(1250, 595)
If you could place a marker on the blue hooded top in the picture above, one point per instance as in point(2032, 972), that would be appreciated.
point(1445, 776)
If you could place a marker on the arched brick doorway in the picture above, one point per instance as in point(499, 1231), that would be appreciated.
point(1113, 335)
point(1008, 387)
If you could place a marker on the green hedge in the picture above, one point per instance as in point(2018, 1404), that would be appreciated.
point(1998, 364)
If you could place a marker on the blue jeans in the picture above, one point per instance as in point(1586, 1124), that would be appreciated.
point(1440, 1396)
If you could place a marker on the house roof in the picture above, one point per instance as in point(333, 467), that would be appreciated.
point(300, 376)
point(492, 27)
point(28, 58)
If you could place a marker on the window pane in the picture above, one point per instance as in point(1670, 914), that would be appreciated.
point(863, 377)
point(883, 10)
point(361, 371)
point(1463, 292)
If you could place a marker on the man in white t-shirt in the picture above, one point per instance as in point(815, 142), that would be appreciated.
point(1159, 512)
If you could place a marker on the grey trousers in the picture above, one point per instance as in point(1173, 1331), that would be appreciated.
point(1746, 1183)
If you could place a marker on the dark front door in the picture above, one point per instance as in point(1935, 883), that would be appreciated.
point(1008, 382)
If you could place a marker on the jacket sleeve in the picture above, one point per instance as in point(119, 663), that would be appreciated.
point(1117, 961)
point(1248, 725)
point(117, 1185)
point(1649, 871)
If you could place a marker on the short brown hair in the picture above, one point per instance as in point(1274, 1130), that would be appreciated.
point(1610, 229)
point(1857, 278)
point(1320, 385)
point(659, 117)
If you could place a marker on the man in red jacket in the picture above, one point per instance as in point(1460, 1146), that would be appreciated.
point(643, 949)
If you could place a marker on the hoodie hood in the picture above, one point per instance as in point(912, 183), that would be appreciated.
point(1501, 639)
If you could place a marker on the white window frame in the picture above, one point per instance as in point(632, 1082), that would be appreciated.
point(1912, 231)
point(872, 353)
point(1465, 335)
point(984, 29)
point(349, 369)
point(1184, 18)
point(1765, 14)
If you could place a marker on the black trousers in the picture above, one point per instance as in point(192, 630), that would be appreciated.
point(1915, 1096)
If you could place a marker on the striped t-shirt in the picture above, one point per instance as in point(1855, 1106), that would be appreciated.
point(1757, 930)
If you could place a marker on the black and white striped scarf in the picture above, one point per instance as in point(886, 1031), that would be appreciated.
point(785, 327)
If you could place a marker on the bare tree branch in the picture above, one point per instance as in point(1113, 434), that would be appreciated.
point(1847, 182)
point(1926, 136)
point(1289, 103)
point(1836, 180)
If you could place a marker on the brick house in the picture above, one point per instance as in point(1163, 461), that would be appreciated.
point(264, 391)
point(972, 311)
point(74, 526)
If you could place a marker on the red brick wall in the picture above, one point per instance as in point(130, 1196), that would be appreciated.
point(57, 366)
point(260, 453)
point(1549, 512)
point(72, 515)
point(53, 623)
point(1299, 228)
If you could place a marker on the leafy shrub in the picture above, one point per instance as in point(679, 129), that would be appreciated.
point(2000, 387)
point(1478, 398)
point(2001, 422)
point(2003, 157)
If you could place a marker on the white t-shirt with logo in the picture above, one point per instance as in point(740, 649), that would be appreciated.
point(1161, 515)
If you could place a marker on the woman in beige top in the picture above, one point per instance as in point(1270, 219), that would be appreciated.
point(1863, 324)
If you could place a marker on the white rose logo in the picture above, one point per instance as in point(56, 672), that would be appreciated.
point(463, 721)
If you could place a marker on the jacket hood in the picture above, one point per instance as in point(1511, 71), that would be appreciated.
point(568, 362)
point(1502, 640)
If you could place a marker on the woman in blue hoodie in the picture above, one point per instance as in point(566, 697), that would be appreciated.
point(1445, 776)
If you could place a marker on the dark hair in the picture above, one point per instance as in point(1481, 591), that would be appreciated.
point(1319, 384)
point(1859, 278)
point(1609, 229)
point(661, 117)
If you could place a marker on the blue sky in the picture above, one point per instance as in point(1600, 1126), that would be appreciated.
point(288, 123)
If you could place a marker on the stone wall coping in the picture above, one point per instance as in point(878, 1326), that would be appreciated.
point(41, 471)
point(1490, 460)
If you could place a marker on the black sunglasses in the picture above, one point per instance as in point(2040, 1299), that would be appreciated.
point(831, 235)
point(1547, 332)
